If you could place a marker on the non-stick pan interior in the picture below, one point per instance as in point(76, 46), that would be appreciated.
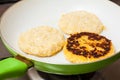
point(27, 14)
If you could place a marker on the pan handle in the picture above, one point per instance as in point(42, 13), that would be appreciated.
point(11, 68)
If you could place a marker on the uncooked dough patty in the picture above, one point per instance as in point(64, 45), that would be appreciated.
point(41, 41)
point(80, 21)
point(87, 47)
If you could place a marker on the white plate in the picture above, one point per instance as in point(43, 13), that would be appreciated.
point(32, 13)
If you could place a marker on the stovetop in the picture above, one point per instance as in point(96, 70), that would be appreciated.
point(88, 76)
point(111, 72)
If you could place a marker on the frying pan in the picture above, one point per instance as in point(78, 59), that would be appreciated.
point(27, 14)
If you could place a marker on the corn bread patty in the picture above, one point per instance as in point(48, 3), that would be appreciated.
point(41, 41)
point(80, 21)
point(87, 47)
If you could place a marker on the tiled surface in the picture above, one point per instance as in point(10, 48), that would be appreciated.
point(111, 72)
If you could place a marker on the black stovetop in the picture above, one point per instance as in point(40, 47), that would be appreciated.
point(89, 76)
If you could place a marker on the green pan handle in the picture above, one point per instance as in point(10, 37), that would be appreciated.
point(11, 68)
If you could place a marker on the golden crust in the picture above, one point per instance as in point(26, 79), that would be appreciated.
point(72, 57)
point(81, 59)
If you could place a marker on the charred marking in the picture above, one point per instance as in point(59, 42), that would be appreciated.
point(75, 47)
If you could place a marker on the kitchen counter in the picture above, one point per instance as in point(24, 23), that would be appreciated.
point(111, 72)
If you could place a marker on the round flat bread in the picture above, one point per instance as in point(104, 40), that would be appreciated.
point(80, 21)
point(41, 41)
point(87, 47)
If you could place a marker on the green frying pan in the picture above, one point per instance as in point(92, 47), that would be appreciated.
point(27, 14)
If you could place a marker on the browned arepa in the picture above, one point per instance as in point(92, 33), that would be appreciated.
point(87, 47)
